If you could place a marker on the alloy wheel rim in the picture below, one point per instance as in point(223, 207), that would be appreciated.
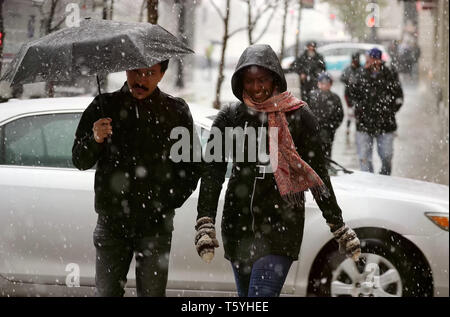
point(375, 276)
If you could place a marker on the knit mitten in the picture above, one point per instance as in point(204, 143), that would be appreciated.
point(205, 239)
point(348, 241)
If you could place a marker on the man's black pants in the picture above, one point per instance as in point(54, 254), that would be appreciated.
point(115, 248)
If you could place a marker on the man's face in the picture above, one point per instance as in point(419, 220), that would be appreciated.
point(355, 62)
point(372, 62)
point(258, 83)
point(324, 85)
point(143, 81)
point(311, 50)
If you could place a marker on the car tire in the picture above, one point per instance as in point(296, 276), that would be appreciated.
point(388, 267)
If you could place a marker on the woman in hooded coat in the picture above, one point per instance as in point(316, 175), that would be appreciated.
point(263, 216)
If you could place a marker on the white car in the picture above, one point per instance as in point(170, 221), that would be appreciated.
point(337, 56)
point(47, 219)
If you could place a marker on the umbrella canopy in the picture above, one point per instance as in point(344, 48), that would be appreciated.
point(96, 47)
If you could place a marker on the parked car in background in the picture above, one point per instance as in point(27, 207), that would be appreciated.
point(47, 219)
point(338, 56)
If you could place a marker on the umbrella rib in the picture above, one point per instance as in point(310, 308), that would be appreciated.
point(18, 62)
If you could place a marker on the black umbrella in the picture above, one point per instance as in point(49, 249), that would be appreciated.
point(96, 47)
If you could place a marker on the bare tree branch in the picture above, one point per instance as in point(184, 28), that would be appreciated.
point(269, 5)
point(266, 27)
point(56, 27)
point(111, 10)
point(249, 22)
point(297, 37)
point(252, 20)
point(283, 31)
point(105, 10)
point(221, 77)
point(230, 34)
point(237, 31)
point(48, 27)
point(217, 9)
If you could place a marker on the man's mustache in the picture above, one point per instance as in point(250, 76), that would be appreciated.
point(140, 86)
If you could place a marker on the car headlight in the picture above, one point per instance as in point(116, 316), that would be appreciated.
point(439, 219)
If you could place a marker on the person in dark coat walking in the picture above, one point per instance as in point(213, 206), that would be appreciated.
point(377, 96)
point(264, 210)
point(126, 136)
point(309, 65)
point(347, 77)
point(327, 107)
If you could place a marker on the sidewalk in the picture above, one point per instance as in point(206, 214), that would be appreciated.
point(421, 146)
point(421, 149)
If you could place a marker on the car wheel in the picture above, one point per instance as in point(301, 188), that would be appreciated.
point(385, 269)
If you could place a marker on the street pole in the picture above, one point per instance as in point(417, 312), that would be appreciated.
point(2, 35)
point(181, 35)
point(152, 11)
point(283, 31)
point(297, 37)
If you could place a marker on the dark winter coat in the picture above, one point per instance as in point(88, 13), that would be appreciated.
point(327, 107)
point(348, 77)
point(376, 98)
point(256, 221)
point(311, 67)
point(134, 176)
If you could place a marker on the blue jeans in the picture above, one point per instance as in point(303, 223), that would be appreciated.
point(114, 252)
point(385, 148)
point(265, 278)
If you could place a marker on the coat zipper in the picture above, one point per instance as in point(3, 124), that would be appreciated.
point(251, 206)
point(254, 184)
point(137, 111)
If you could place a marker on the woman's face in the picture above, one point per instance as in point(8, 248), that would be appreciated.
point(258, 83)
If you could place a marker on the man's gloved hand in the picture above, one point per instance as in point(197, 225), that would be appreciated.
point(348, 241)
point(205, 239)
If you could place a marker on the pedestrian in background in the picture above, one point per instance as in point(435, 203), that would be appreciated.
point(348, 77)
point(208, 54)
point(327, 107)
point(377, 96)
point(394, 54)
point(308, 66)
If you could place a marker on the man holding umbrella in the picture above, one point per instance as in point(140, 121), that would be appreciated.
point(137, 186)
point(126, 136)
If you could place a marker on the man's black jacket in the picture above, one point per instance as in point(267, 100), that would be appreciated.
point(348, 77)
point(134, 174)
point(311, 66)
point(376, 98)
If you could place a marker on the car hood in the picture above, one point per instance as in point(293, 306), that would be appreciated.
point(391, 187)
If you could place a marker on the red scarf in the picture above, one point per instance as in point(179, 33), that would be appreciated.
point(292, 175)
